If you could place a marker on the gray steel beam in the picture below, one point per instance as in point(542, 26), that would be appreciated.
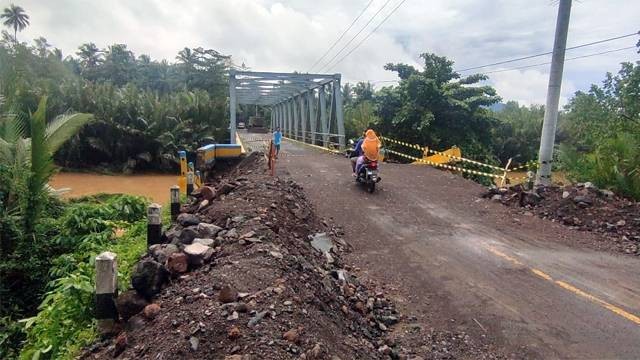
point(337, 90)
point(303, 117)
point(296, 118)
point(312, 116)
point(323, 117)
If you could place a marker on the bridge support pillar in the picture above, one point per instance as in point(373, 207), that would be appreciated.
point(337, 91)
point(311, 98)
point(323, 118)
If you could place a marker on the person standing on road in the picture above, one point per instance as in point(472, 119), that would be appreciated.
point(277, 139)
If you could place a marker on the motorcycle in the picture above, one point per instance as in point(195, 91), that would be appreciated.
point(368, 172)
point(368, 175)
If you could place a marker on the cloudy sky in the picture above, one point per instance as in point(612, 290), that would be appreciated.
point(269, 35)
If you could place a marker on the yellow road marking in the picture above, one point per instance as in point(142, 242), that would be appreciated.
point(504, 256)
point(542, 274)
point(603, 303)
point(616, 310)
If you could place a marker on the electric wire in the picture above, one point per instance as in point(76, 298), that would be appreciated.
point(356, 35)
point(550, 52)
point(366, 37)
point(547, 63)
point(341, 36)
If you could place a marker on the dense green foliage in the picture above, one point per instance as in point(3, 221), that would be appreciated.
point(600, 133)
point(63, 261)
point(145, 110)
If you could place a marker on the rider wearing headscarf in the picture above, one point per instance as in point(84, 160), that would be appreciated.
point(370, 149)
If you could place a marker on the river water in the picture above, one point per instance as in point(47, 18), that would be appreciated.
point(153, 186)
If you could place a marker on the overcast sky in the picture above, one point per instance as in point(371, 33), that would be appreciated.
point(285, 36)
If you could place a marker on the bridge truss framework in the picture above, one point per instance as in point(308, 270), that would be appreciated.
point(298, 104)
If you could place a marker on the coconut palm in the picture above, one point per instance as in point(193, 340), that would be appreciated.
point(15, 17)
point(89, 54)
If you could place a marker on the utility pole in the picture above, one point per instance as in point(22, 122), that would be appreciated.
point(547, 139)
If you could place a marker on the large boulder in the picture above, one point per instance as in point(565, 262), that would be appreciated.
point(186, 219)
point(188, 234)
point(162, 252)
point(130, 303)
point(148, 277)
point(198, 253)
point(208, 230)
point(178, 263)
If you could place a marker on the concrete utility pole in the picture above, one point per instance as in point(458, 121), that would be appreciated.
point(547, 140)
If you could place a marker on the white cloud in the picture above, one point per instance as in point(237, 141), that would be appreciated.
point(274, 35)
point(528, 86)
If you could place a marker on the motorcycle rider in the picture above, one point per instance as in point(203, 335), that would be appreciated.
point(370, 149)
point(356, 153)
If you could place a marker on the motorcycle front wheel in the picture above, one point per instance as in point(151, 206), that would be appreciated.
point(371, 187)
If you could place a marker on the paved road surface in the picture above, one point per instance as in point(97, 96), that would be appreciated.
point(522, 278)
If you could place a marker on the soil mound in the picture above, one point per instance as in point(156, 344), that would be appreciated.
point(583, 207)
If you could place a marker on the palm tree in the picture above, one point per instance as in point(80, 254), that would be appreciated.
point(14, 16)
point(30, 160)
point(89, 55)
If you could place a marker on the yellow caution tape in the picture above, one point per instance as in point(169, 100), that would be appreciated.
point(418, 147)
point(445, 166)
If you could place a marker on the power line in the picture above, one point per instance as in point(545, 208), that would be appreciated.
point(547, 63)
point(366, 37)
point(550, 52)
point(341, 36)
point(356, 35)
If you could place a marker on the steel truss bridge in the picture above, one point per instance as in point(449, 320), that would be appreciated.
point(298, 104)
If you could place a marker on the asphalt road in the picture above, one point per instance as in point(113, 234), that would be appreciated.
point(468, 262)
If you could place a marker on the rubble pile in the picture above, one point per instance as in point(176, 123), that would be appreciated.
point(249, 272)
point(583, 207)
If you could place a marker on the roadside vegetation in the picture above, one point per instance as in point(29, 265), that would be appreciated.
point(598, 137)
point(110, 109)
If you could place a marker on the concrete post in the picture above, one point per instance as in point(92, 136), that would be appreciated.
point(175, 201)
point(106, 291)
point(154, 224)
point(548, 137)
point(312, 116)
point(323, 118)
point(337, 90)
point(232, 107)
point(190, 179)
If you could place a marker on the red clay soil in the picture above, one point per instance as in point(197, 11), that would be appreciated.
point(267, 293)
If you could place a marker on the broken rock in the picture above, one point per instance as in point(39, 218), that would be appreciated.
point(208, 230)
point(148, 278)
point(196, 253)
point(186, 219)
point(151, 311)
point(130, 303)
point(228, 295)
point(178, 263)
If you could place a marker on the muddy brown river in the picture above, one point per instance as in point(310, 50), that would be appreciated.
point(153, 186)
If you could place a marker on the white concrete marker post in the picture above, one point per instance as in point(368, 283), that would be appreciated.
point(106, 291)
point(154, 224)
